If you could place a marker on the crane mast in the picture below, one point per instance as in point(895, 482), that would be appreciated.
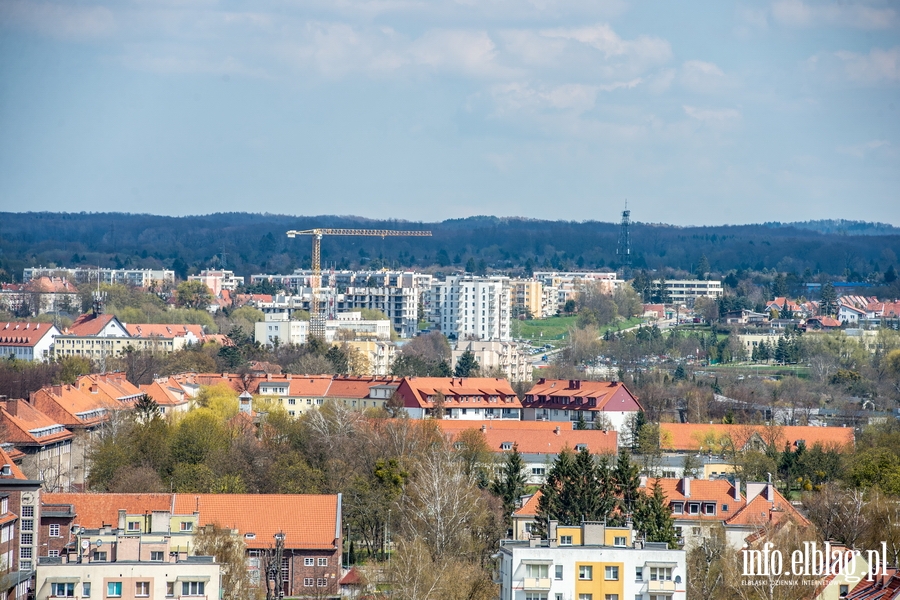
point(316, 314)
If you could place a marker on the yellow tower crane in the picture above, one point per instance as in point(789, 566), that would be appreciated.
point(316, 316)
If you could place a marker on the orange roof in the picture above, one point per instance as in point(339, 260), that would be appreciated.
point(308, 385)
point(720, 491)
point(357, 387)
point(530, 508)
point(165, 395)
point(308, 521)
point(760, 511)
point(15, 471)
point(696, 437)
point(112, 386)
point(65, 402)
point(160, 330)
point(89, 324)
point(458, 391)
point(28, 425)
point(96, 510)
point(24, 333)
point(548, 438)
point(582, 395)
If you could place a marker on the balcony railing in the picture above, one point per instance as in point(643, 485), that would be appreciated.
point(661, 586)
point(531, 584)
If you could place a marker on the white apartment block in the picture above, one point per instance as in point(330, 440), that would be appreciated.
point(400, 304)
point(278, 328)
point(590, 562)
point(685, 291)
point(470, 308)
point(507, 357)
point(137, 277)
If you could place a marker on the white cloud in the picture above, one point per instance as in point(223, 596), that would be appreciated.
point(59, 20)
point(607, 41)
point(877, 66)
point(459, 51)
point(712, 115)
point(862, 150)
point(523, 97)
point(701, 76)
point(797, 13)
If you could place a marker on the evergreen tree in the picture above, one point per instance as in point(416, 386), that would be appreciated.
point(628, 482)
point(549, 504)
point(509, 484)
point(702, 267)
point(466, 366)
point(653, 518)
point(580, 424)
point(634, 430)
point(827, 300)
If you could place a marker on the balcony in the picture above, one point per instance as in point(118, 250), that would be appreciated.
point(660, 586)
point(536, 584)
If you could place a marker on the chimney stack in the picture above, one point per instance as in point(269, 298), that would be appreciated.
point(686, 486)
point(556, 431)
point(11, 406)
point(770, 492)
point(737, 490)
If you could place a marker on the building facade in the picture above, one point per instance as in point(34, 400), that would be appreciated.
point(470, 308)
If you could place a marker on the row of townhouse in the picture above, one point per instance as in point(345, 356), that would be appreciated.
point(96, 337)
point(49, 433)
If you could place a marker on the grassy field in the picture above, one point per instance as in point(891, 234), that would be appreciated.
point(555, 330)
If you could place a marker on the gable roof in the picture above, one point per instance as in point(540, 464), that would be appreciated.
point(357, 387)
point(760, 511)
point(530, 507)
point(534, 437)
point(162, 330)
point(96, 510)
point(14, 471)
point(577, 394)
point(64, 403)
point(27, 426)
point(466, 392)
point(164, 393)
point(91, 324)
point(25, 333)
point(693, 437)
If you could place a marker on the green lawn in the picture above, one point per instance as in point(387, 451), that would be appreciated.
point(555, 330)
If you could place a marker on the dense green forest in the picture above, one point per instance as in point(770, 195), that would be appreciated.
point(255, 243)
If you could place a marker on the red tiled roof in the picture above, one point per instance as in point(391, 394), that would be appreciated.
point(15, 471)
point(89, 324)
point(582, 395)
point(534, 437)
point(530, 508)
point(467, 392)
point(63, 402)
point(357, 387)
point(759, 511)
point(160, 330)
point(22, 428)
point(698, 436)
point(96, 510)
point(308, 521)
point(24, 333)
point(165, 394)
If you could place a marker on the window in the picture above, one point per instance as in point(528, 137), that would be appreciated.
point(321, 582)
point(309, 562)
point(585, 572)
point(27, 539)
point(535, 596)
point(54, 530)
point(695, 531)
point(99, 556)
point(142, 589)
point(86, 589)
point(620, 541)
point(156, 556)
point(611, 573)
point(678, 508)
point(843, 591)
point(134, 526)
point(24, 552)
point(611, 597)
point(52, 552)
point(694, 508)
point(724, 508)
point(539, 471)
point(323, 562)
point(25, 565)
point(187, 526)
point(660, 573)
point(27, 512)
point(170, 589)
point(27, 524)
point(292, 401)
point(308, 581)
point(639, 573)
point(585, 596)
point(559, 572)
point(537, 571)
point(114, 589)
point(709, 508)
point(192, 588)
point(62, 590)
point(565, 540)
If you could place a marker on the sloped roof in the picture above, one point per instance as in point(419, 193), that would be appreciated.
point(720, 491)
point(698, 436)
point(64, 402)
point(759, 511)
point(530, 508)
point(25, 333)
point(357, 387)
point(535, 440)
point(476, 391)
point(90, 324)
point(308, 521)
point(160, 330)
point(164, 394)
point(24, 427)
point(96, 510)
point(112, 386)
point(15, 471)
point(607, 395)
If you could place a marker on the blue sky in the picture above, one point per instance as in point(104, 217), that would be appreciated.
point(695, 112)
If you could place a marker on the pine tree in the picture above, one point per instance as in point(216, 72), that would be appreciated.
point(828, 300)
point(466, 366)
point(509, 484)
point(653, 518)
point(628, 481)
point(581, 424)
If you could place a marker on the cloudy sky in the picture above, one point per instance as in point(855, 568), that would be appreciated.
point(695, 112)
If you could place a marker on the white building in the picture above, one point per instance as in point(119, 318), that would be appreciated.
point(470, 308)
point(145, 278)
point(218, 280)
point(27, 341)
point(685, 291)
point(279, 329)
point(591, 562)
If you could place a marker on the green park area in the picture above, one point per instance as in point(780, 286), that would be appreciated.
point(555, 330)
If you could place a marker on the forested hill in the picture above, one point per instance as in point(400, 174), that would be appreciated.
point(255, 243)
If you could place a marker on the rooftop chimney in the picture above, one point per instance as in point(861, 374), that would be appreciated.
point(542, 381)
point(770, 492)
point(737, 490)
point(483, 428)
point(556, 431)
point(686, 486)
point(12, 406)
